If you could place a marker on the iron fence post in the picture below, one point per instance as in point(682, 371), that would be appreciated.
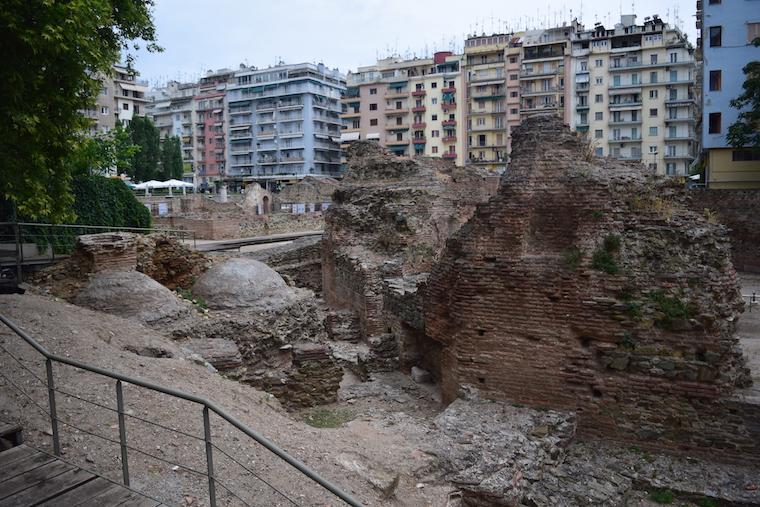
point(122, 433)
point(19, 253)
point(51, 402)
point(52, 243)
point(209, 457)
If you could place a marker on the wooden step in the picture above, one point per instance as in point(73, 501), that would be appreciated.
point(10, 436)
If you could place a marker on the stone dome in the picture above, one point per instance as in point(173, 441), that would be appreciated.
point(243, 283)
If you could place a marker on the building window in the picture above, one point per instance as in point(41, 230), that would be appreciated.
point(598, 134)
point(435, 133)
point(433, 85)
point(745, 155)
point(598, 116)
point(598, 63)
point(513, 77)
point(670, 169)
point(652, 131)
point(399, 136)
point(434, 101)
point(104, 110)
point(125, 106)
point(653, 112)
point(398, 104)
point(653, 94)
point(599, 80)
point(434, 117)
point(513, 94)
point(355, 124)
point(673, 57)
point(512, 59)
point(584, 65)
point(373, 122)
point(653, 148)
point(713, 2)
point(373, 107)
point(599, 152)
point(435, 149)
point(716, 36)
point(673, 76)
point(653, 59)
point(598, 98)
point(753, 31)
point(513, 110)
point(714, 123)
point(373, 91)
point(653, 77)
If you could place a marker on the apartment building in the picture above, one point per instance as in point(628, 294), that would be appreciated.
point(211, 124)
point(172, 110)
point(486, 98)
point(545, 69)
point(632, 91)
point(284, 124)
point(727, 31)
point(408, 106)
point(122, 96)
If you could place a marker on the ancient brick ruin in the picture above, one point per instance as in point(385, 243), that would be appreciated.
point(585, 285)
point(389, 221)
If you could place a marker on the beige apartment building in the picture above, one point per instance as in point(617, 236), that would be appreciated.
point(121, 98)
point(409, 106)
point(633, 93)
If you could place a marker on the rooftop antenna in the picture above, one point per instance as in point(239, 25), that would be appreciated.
point(580, 16)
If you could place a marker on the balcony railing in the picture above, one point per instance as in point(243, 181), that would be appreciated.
point(449, 139)
point(625, 139)
point(418, 93)
point(396, 126)
point(449, 123)
point(419, 140)
point(448, 106)
point(419, 109)
point(449, 89)
point(419, 125)
point(449, 155)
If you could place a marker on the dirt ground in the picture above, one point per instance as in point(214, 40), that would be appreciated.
point(380, 451)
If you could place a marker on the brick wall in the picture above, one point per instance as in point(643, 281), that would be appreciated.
point(739, 210)
point(301, 261)
point(584, 285)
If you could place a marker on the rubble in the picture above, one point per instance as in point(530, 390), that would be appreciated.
point(169, 262)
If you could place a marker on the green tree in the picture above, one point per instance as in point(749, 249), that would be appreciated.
point(145, 136)
point(171, 159)
point(745, 132)
point(103, 153)
point(53, 52)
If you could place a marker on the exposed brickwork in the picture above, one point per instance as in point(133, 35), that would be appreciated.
point(584, 285)
point(739, 210)
point(301, 261)
point(107, 251)
point(242, 224)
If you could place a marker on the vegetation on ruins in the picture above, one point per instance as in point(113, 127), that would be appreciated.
point(328, 418)
point(53, 53)
point(745, 132)
point(662, 496)
point(107, 201)
point(671, 310)
point(604, 257)
point(572, 257)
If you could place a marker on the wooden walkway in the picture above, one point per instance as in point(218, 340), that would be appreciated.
point(29, 477)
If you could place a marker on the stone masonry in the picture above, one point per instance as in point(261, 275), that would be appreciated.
point(585, 285)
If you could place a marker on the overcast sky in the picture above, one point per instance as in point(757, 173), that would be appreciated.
point(198, 35)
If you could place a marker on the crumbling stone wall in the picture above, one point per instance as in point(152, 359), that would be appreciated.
point(300, 261)
point(739, 210)
point(309, 191)
point(390, 219)
point(585, 285)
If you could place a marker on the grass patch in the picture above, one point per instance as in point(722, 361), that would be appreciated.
point(604, 261)
point(672, 309)
point(707, 502)
point(328, 418)
point(572, 258)
point(196, 300)
point(662, 496)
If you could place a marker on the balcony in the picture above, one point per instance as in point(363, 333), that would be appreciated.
point(265, 134)
point(449, 123)
point(395, 94)
point(632, 104)
point(581, 127)
point(392, 110)
point(449, 155)
point(419, 109)
point(396, 126)
point(534, 75)
point(680, 102)
point(291, 160)
point(396, 142)
point(449, 89)
point(419, 140)
point(525, 92)
point(623, 122)
point(351, 114)
point(625, 139)
point(419, 93)
point(241, 135)
point(448, 106)
point(581, 107)
point(419, 125)
point(683, 119)
point(449, 139)
point(689, 137)
point(678, 156)
point(624, 88)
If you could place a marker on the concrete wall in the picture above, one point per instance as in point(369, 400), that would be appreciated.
point(723, 173)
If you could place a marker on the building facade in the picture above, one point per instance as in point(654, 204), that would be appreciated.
point(634, 93)
point(727, 31)
point(409, 106)
point(122, 96)
point(284, 124)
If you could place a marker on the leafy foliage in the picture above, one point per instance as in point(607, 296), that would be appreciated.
point(746, 131)
point(604, 258)
point(52, 54)
point(145, 136)
point(107, 201)
point(171, 159)
point(662, 496)
point(99, 154)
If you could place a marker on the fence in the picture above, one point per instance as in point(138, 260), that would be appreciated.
point(212, 449)
point(23, 243)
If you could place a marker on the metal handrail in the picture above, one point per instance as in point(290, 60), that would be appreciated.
point(208, 406)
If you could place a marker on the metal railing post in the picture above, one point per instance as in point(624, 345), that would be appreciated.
point(51, 402)
point(209, 457)
point(122, 433)
point(52, 242)
point(19, 253)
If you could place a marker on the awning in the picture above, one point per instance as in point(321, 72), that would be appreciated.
point(134, 88)
point(373, 136)
point(349, 136)
point(486, 83)
point(217, 111)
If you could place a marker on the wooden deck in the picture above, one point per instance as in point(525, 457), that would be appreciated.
point(30, 477)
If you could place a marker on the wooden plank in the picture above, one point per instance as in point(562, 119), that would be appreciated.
point(8, 429)
point(33, 477)
point(113, 496)
point(48, 489)
point(79, 495)
point(16, 453)
point(14, 468)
